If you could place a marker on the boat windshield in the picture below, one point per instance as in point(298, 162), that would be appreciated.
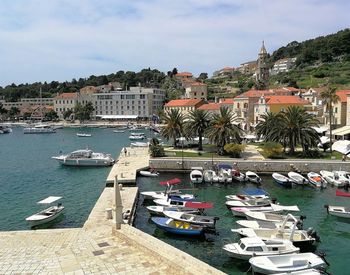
point(81, 154)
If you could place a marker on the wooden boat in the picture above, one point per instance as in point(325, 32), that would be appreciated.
point(282, 180)
point(341, 193)
point(247, 248)
point(206, 221)
point(271, 217)
point(331, 178)
point(297, 178)
point(47, 214)
point(248, 203)
point(178, 227)
point(159, 210)
point(264, 224)
point(252, 177)
point(286, 263)
point(83, 135)
point(339, 211)
point(316, 180)
point(149, 174)
point(196, 175)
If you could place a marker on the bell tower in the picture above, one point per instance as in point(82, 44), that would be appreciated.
point(262, 72)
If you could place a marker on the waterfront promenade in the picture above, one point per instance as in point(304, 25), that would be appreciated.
point(96, 248)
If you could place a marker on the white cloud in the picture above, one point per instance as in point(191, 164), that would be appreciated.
point(62, 39)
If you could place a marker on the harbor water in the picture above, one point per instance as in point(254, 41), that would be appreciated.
point(28, 174)
point(334, 232)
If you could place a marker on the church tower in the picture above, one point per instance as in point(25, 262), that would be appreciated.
point(262, 72)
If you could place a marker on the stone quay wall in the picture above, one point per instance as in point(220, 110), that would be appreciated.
point(264, 166)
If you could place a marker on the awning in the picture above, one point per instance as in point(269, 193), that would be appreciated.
point(321, 129)
point(50, 199)
point(118, 116)
point(342, 146)
point(342, 131)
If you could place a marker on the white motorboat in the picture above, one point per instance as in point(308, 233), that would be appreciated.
point(85, 157)
point(343, 176)
point(196, 175)
point(205, 221)
point(224, 176)
point(149, 173)
point(247, 248)
point(297, 178)
point(263, 224)
point(316, 180)
point(47, 214)
point(118, 131)
point(139, 144)
point(271, 217)
point(210, 176)
point(243, 197)
point(331, 178)
point(282, 180)
point(273, 208)
point(248, 203)
point(237, 175)
point(153, 195)
point(252, 177)
point(286, 263)
point(339, 211)
point(137, 136)
point(39, 129)
point(311, 271)
point(83, 135)
point(159, 210)
point(5, 129)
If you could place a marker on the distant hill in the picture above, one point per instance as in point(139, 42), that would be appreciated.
point(333, 47)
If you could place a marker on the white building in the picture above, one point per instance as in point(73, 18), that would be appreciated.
point(65, 102)
point(283, 65)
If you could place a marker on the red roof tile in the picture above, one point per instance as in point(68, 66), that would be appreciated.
point(227, 101)
point(183, 102)
point(66, 95)
point(342, 95)
point(187, 74)
point(255, 93)
point(210, 106)
point(286, 99)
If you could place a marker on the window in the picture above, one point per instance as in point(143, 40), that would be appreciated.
point(237, 105)
point(336, 110)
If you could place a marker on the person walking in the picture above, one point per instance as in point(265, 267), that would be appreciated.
point(125, 151)
point(343, 158)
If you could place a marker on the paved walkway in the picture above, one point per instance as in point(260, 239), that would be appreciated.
point(251, 153)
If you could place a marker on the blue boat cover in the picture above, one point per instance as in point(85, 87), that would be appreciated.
point(254, 192)
point(224, 166)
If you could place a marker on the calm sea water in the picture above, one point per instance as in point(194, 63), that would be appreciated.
point(28, 174)
point(334, 232)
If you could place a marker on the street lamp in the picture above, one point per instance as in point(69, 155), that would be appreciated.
point(182, 153)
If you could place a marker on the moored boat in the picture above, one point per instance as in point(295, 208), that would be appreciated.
point(85, 158)
point(297, 178)
point(264, 224)
point(149, 173)
point(196, 175)
point(206, 221)
point(339, 211)
point(271, 217)
point(282, 180)
point(252, 177)
point(83, 135)
point(286, 263)
point(159, 210)
point(316, 180)
point(248, 203)
point(238, 175)
point(331, 178)
point(39, 129)
point(210, 176)
point(178, 227)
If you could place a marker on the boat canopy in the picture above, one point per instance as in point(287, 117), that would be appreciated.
point(342, 194)
point(254, 192)
point(224, 166)
point(199, 205)
point(170, 182)
point(48, 200)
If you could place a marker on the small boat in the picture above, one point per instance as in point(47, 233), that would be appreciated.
point(137, 136)
point(297, 178)
point(252, 177)
point(39, 129)
point(5, 129)
point(282, 180)
point(196, 175)
point(83, 135)
point(139, 144)
point(178, 227)
point(273, 208)
point(339, 211)
point(224, 176)
point(247, 248)
point(206, 221)
point(210, 176)
point(264, 224)
point(271, 217)
point(118, 131)
point(85, 158)
point(149, 173)
point(286, 263)
point(343, 176)
point(178, 200)
point(341, 193)
point(47, 214)
point(159, 210)
point(237, 175)
point(254, 192)
point(243, 197)
point(316, 180)
point(311, 271)
point(248, 203)
point(331, 178)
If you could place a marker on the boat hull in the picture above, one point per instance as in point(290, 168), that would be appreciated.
point(187, 231)
point(84, 162)
point(36, 222)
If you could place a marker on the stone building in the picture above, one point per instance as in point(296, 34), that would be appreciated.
point(262, 71)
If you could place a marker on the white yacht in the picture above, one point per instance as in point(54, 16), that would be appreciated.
point(137, 136)
point(47, 214)
point(39, 129)
point(85, 158)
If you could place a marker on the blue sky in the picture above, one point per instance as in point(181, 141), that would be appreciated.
point(60, 40)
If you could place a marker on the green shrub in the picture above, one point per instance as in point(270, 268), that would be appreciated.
point(234, 150)
point(273, 150)
point(157, 151)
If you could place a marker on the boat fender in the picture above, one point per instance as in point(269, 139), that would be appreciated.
point(327, 207)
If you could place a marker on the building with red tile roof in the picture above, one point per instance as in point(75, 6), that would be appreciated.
point(184, 105)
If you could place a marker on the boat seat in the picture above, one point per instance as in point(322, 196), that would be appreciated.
point(300, 262)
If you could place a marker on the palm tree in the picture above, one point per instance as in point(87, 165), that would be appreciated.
point(270, 127)
point(173, 125)
point(330, 97)
point(297, 129)
point(222, 130)
point(198, 121)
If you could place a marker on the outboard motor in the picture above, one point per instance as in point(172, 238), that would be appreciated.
point(274, 200)
point(327, 207)
point(312, 233)
point(299, 224)
point(302, 217)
